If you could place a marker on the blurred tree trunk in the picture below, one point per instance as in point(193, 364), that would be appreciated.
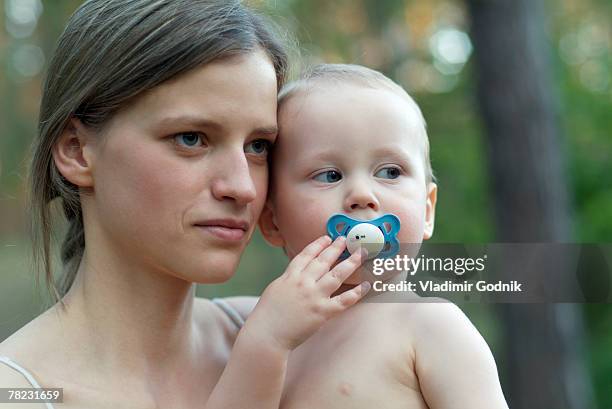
point(545, 368)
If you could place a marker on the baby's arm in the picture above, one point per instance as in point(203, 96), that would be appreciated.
point(453, 362)
point(253, 376)
point(290, 310)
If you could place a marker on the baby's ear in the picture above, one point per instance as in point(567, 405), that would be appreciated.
point(430, 210)
point(268, 227)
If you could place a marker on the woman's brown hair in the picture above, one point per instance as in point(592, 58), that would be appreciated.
point(110, 52)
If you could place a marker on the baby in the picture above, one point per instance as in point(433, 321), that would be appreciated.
point(352, 141)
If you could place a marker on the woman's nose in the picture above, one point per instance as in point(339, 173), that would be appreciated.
point(233, 180)
point(361, 197)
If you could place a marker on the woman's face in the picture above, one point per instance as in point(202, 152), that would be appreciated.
point(180, 175)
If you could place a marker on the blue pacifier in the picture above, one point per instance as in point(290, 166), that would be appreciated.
point(377, 236)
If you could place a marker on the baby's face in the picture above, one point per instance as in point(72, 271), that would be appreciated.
point(352, 150)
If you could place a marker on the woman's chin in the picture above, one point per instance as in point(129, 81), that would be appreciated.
point(211, 270)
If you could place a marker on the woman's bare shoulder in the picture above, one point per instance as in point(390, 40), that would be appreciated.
point(11, 378)
point(23, 340)
point(18, 349)
point(242, 304)
point(34, 343)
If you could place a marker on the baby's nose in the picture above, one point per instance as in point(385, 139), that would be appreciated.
point(361, 199)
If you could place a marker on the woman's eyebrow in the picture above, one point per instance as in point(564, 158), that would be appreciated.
point(190, 120)
point(202, 122)
point(266, 130)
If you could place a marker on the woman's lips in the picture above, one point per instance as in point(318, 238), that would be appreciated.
point(224, 233)
point(228, 229)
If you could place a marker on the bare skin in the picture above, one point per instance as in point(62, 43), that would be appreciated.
point(394, 355)
point(356, 150)
point(157, 191)
point(71, 358)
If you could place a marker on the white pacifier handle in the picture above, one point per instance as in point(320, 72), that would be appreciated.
point(365, 235)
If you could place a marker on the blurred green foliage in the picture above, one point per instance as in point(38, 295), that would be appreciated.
point(404, 39)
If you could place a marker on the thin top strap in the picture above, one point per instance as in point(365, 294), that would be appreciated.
point(230, 311)
point(12, 364)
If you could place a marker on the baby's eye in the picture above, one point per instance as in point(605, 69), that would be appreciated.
point(328, 176)
point(258, 147)
point(389, 172)
point(189, 139)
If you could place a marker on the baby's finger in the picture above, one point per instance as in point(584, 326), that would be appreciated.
point(331, 281)
point(323, 262)
point(348, 298)
point(309, 252)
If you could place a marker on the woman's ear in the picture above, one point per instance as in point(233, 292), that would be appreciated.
point(268, 227)
point(430, 210)
point(73, 154)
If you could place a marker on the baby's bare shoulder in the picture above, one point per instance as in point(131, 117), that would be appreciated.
point(434, 311)
point(441, 329)
point(393, 320)
point(437, 317)
point(447, 346)
point(436, 322)
point(419, 312)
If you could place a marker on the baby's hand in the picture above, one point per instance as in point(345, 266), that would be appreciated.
point(299, 302)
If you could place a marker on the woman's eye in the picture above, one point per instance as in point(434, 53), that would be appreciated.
point(329, 176)
point(258, 147)
point(189, 139)
point(388, 173)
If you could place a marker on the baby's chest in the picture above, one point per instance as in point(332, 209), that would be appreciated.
point(351, 369)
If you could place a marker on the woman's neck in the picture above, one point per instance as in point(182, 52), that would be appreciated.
point(134, 319)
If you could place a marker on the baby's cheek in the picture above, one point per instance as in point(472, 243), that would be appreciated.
point(300, 223)
point(412, 226)
point(312, 224)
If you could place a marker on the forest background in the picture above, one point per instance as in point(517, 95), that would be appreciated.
point(466, 63)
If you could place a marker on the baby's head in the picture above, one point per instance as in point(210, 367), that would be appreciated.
point(350, 141)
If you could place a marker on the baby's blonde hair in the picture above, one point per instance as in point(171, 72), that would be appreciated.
point(357, 75)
